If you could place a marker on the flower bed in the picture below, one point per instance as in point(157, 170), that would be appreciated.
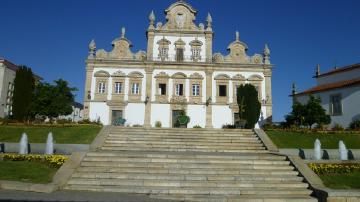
point(55, 161)
point(334, 168)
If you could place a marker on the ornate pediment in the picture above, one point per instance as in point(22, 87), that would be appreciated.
point(118, 74)
point(222, 77)
point(255, 77)
point(196, 76)
point(121, 50)
point(179, 75)
point(162, 75)
point(180, 15)
point(135, 75)
point(101, 73)
point(239, 77)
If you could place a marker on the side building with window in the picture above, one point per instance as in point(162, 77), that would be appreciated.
point(7, 76)
point(178, 73)
point(339, 91)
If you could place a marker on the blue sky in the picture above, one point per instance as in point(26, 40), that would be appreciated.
point(52, 36)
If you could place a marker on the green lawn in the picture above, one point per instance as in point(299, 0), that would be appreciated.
point(83, 134)
point(26, 171)
point(342, 181)
point(285, 139)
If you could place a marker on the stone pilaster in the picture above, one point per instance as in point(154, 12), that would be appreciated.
point(209, 74)
point(150, 44)
point(267, 74)
point(209, 39)
point(147, 118)
point(87, 93)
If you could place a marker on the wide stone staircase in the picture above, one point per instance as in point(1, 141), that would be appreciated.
point(189, 165)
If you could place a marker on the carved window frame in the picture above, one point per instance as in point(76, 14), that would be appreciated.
point(237, 80)
point(179, 78)
point(180, 44)
point(101, 77)
point(196, 47)
point(163, 46)
point(118, 77)
point(135, 77)
point(256, 80)
point(222, 79)
point(195, 79)
point(162, 78)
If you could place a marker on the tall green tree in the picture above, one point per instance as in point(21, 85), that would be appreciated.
point(314, 113)
point(297, 115)
point(247, 97)
point(53, 100)
point(24, 84)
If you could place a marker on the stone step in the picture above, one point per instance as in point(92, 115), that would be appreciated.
point(107, 148)
point(183, 146)
point(175, 160)
point(235, 198)
point(186, 183)
point(184, 134)
point(178, 155)
point(112, 141)
point(165, 139)
point(181, 130)
point(192, 177)
point(194, 171)
point(193, 136)
point(192, 190)
point(225, 166)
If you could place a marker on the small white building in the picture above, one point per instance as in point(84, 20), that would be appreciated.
point(339, 90)
point(178, 73)
point(76, 114)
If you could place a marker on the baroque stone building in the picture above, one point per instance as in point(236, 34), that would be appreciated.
point(178, 73)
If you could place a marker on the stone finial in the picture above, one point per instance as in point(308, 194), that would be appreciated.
point(209, 20)
point(266, 54)
point(293, 91)
point(317, 73)
point(152, 20)
point(92, 48)
point(152, 17)
point(237, 36)
point(123, 32)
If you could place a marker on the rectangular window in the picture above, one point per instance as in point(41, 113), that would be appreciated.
point(335, 105)
point(101, 87)
point(195, 89)
point(135, 89)
point(196, 54)
point(118, 87)
point(164, 53)
point(179, 54)
point(162, 89)
point(179, 89)
point(222, 91)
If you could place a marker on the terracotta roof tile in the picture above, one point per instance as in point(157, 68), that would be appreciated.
point(342, 69)
point(330, 86)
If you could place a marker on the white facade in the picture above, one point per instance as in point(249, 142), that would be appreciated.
point(178, 73)
point(7, 76)
point(339, 91)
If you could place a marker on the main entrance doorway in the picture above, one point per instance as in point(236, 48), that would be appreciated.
point(175, 114)
point(115, 115)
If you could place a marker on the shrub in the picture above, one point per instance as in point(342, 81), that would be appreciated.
point(55, 161)
point(137, 125)
point(334, 168)
point(337, 127)
point(158, 124)
point(355, 125)
point(196, 126)
point(63, 121)
point(228, 126)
